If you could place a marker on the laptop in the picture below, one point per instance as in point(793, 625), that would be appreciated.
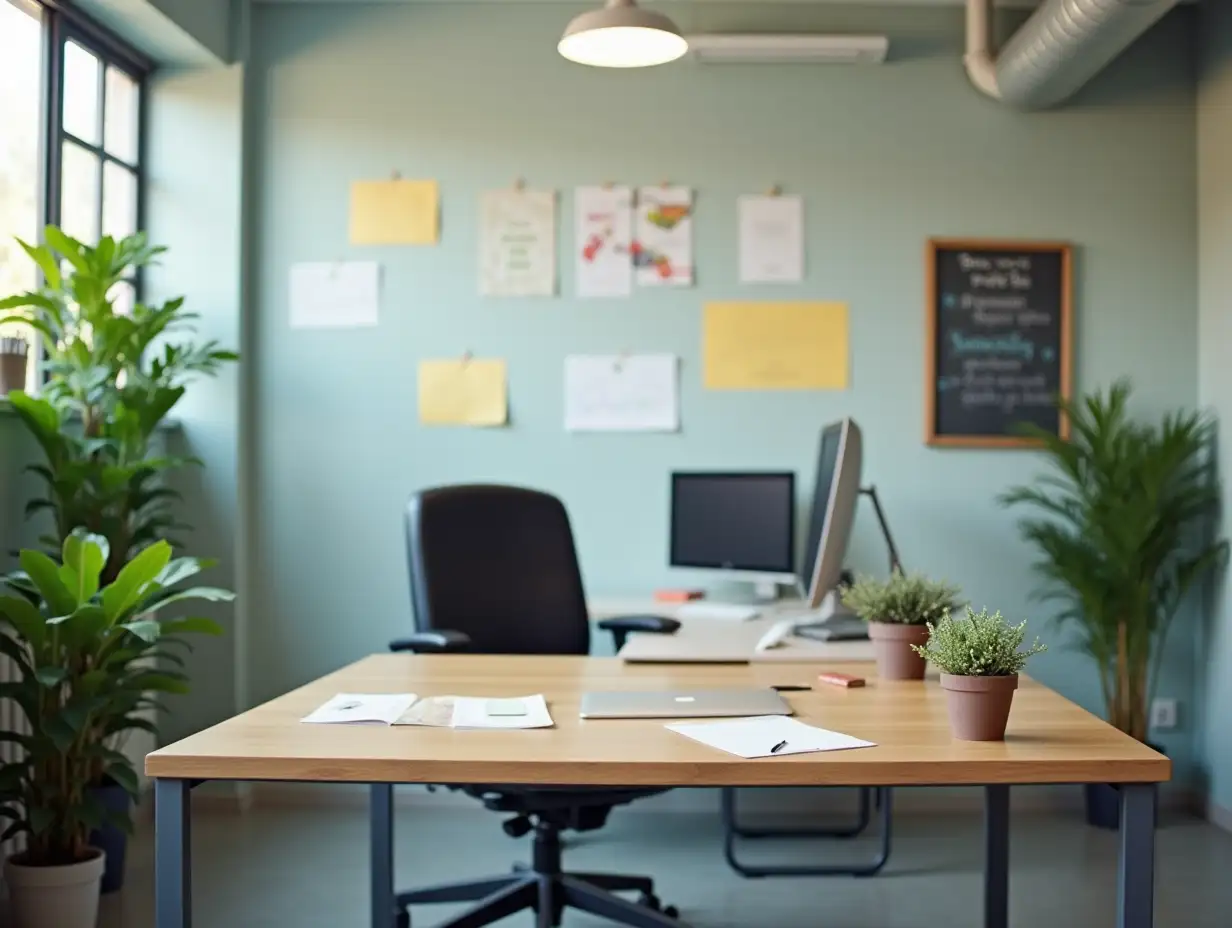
point(683, 704)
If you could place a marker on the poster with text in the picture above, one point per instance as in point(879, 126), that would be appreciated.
point(663, 243)
point(517, 243)
point(603, 220)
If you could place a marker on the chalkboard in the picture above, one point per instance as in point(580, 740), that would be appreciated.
point(998, 341)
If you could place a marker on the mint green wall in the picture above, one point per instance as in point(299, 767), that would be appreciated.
point(1215, 334)
point(171, 32)
point(475, 95)
point(193, 206)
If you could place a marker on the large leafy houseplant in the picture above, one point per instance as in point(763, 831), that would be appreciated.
point(88, 656)
point(112, 378)
point(1122, 526)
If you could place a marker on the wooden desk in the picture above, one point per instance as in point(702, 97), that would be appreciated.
point(1050, 740)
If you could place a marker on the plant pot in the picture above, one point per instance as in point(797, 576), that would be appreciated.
point(12, 372)
point(979, 707)
point(892, 643)
point(1103, 802)
point(54, 897)
point(110, 839)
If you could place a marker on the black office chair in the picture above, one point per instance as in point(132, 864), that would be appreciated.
point(494, 571)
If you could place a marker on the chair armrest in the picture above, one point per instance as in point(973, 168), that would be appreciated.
point(437, 641)
point(622, 625)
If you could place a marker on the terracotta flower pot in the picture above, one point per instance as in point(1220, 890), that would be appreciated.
point(12, 372)
point(55, 897)
point(979, 706)
point(892, 643)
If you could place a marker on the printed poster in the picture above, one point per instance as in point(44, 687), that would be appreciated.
point(603, 234)
point(517, 243)
point(663, 246)
point(775, 346)
point(771, 239)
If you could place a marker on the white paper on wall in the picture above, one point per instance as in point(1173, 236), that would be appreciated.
point(622, 393)
point(663, 243)
point(771, 239)
point(603, 233)
point(334, 295)
point(517, 243)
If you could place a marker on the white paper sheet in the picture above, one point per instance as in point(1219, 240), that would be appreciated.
point(663, 246)
point(771, 239)
point(362, 709)
point(622, 393)
point(603, 232)
point(334, 295)
point(756, 737)
point(517, 243)
point(472, 712)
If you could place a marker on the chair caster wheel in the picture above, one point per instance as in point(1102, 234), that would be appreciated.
point(402, 920)
point(671, 911)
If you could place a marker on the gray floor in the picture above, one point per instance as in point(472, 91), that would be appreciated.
point(307, 869)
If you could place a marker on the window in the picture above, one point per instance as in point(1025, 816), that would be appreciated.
point(70, 137)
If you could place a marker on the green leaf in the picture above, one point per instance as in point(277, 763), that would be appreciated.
point(84, 555)
point(181, 569)
point(192, 625)
point(146, 629)
point(51, 676)
point(60, 732)
point(24, 618)
point(124, 775)
point(130, 586)
point(207, 593)
point(82, 625)
point(46, 262)
point(46, 576)
point(71, 249)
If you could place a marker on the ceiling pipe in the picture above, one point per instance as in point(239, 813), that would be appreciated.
point(1057, 50)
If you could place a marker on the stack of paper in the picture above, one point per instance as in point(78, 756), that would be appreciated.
point(767, 736)
point(362, 709)
point(434, 711)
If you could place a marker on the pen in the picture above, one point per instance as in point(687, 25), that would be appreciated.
point(790, 688)
point(778, 747)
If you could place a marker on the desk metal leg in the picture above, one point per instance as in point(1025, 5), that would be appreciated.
point(1136, 876)
point(381, 832)
point(172, 854)
point(996, 856)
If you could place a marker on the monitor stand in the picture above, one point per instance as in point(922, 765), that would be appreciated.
point(831, 622)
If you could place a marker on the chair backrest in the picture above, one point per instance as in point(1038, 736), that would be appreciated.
point(497, 563)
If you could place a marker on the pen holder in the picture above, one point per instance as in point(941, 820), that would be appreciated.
point(14, 354)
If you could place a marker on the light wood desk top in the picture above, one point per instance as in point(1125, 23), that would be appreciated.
point(1050, 740)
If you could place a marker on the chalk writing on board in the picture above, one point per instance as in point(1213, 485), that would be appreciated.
point(999, 321)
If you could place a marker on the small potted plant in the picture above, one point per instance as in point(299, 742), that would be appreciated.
point(87, 657)
point(980, 658)
point(14, 351)
point(898, 611)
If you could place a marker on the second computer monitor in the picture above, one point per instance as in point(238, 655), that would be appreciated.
point(835, 494)
point(742, 523)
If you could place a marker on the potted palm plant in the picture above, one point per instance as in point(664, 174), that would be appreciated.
point(112, 379)
point(980, 659)
point(898, 611)
point(1122, 525)
point(88, 657)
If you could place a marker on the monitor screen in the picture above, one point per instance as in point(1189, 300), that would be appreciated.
point(738, 522)
point(827, 461)
point(835, 493)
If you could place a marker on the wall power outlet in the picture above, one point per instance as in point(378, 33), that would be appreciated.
point(1163, 713)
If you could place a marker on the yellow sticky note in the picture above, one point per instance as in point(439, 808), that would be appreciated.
point(775, 346)
point(463, 392)
point(394, 212)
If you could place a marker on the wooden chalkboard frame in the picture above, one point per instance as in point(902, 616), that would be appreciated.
point(934, 245)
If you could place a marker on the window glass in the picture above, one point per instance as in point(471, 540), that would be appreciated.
point(79, 193)
point(119, 201)
point(21, 47)
point(120, 130)
point(82, 74)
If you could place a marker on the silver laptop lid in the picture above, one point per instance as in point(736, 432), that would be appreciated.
point(683, 704)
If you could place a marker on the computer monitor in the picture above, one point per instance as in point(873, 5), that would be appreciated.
point(835, 494)
point(740, 523)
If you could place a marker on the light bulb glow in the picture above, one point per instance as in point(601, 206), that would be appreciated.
point(622, 47)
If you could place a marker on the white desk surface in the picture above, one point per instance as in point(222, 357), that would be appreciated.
point(720, 641)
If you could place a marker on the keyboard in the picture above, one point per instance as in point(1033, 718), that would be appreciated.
point(724, 612)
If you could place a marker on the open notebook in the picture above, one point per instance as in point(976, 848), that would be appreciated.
point(476, 712)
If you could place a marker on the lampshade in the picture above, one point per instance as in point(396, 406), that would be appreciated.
point(622, 35)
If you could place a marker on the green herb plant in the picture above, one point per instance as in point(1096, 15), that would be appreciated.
point(981, 645)
point(904, 599)
point(113, 377)
point(1124, 527)
point(88, 656)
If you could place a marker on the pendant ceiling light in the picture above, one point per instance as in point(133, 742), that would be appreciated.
point(622, 35)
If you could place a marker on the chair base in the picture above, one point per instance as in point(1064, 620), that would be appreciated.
point(545, 888)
